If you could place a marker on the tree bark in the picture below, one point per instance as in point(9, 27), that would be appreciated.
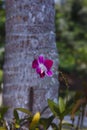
point(30, 32)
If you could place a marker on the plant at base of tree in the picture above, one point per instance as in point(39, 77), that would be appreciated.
point(66, 106)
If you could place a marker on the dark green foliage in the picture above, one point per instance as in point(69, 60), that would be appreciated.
point(60, 110)
point(46, 122)
point(2, 23)
point(75, 8)
point(3, 110)
point(71, 35)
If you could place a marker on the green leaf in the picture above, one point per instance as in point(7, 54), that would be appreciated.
point(1, 75)
point(53, 106)
point(68, 108)
point(16, 116)
point(3, 110)
point(24, 111)
point(66, 123)
point(46, 122)
point(61, 105)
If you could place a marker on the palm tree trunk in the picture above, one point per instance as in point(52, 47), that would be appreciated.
point(29, 33)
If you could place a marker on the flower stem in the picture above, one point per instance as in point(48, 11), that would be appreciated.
point(60, 125)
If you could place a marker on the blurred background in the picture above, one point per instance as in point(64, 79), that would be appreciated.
point(71, 40)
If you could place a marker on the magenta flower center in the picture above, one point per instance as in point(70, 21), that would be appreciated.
point(42, 67)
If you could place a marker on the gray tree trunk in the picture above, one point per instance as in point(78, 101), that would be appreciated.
point(30, 31)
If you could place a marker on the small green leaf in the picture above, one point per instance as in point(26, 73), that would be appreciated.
point(16, 116)
point(3, 110)
point(61, 105)
point(46, 122)
point(53, 106)
point(66, 123)
point(24, 111)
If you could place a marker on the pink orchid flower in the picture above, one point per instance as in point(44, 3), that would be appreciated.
point(43, 66)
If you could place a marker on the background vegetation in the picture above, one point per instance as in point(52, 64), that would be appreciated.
point(71, 30)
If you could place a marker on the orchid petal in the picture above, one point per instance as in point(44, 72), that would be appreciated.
point(39, 71)
point(35, 64)
point(42, 75)
point(48, 63)
point(49, 73)
point(41, 59)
